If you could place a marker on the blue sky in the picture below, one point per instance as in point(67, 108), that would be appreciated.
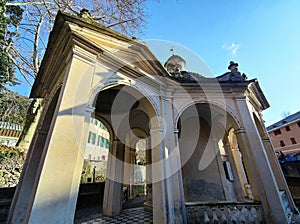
point(262, 36)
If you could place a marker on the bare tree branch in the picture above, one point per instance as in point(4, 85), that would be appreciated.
point(30, 37)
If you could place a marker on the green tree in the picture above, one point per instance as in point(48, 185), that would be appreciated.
point(9, 17)
point(13, 107)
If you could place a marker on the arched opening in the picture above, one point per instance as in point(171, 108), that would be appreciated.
point(94, 168)
point(135, 169)
point(126, 115)
point(212, 165)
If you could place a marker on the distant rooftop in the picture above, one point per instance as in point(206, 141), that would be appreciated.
point(10, 126)
point(285, 121)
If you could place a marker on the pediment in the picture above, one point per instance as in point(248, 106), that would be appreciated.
point(131, 51)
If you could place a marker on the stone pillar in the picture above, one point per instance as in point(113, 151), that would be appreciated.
point(58, 153)
point(159, 192)
point(262, 175)
point(278, 172)
point(175, 193)
point(25, 190)
point(240, 167)
point(148, 174)
point(239, 180)
point(129, 169)
point(113, 191)
point(229, 193)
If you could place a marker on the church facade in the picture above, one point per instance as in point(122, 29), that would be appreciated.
point(208, 155)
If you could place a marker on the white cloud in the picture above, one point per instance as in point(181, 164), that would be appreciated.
point(232, 48)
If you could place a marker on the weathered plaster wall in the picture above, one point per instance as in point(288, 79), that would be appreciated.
point(199, 185)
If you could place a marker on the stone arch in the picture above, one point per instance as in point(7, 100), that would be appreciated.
point(234, 119)
point(220, 173)
point(113, 83)
point(128, 112)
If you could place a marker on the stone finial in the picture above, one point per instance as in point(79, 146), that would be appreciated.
point(85, 14)
point(233, 67)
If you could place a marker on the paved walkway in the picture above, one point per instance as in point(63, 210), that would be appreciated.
point(133, 215)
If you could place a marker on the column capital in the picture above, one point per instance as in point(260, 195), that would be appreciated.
point(240, 131)
point(157, 129)
point(265, 139)
point(240, 98)
point(90, 109)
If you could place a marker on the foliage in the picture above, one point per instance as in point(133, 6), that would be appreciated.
point(13, 107)
point(9, 17)
point(138, 190)
point(8, 152)
point(11, 163)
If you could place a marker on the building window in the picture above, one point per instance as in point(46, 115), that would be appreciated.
point(90, 156)
point(93, 140)
point(277, 132)
point(102, 141)
point(298, 123)
point(287, 128)
point(103, 157)
point(282, 144)
point(98, 141)
point(293, 140)
point(90, 137)
point(107, 143)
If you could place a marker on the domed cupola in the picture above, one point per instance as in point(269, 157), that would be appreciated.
point(175, 64)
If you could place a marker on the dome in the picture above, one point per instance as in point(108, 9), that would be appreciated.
point(175, 64)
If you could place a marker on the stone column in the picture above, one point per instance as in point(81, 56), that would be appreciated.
point(23, 197)
point(175, 193)
point(148, 175)
point(278, 172)
point(57, 158)
point(240, 167)
point(113, 191)
point(129, 169)
point(259, 165)
point(237, 170)
point(229, 194)
point(159, 193)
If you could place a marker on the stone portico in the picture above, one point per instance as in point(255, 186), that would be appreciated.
point(206, 144)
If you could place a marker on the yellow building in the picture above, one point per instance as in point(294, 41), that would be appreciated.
point(98, 141)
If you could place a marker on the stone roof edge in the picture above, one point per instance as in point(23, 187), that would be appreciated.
point(99, 27)
point(259, 94)
point(62, 18)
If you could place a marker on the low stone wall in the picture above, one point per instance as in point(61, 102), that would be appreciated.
point(224, 212)
point(11, 163)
